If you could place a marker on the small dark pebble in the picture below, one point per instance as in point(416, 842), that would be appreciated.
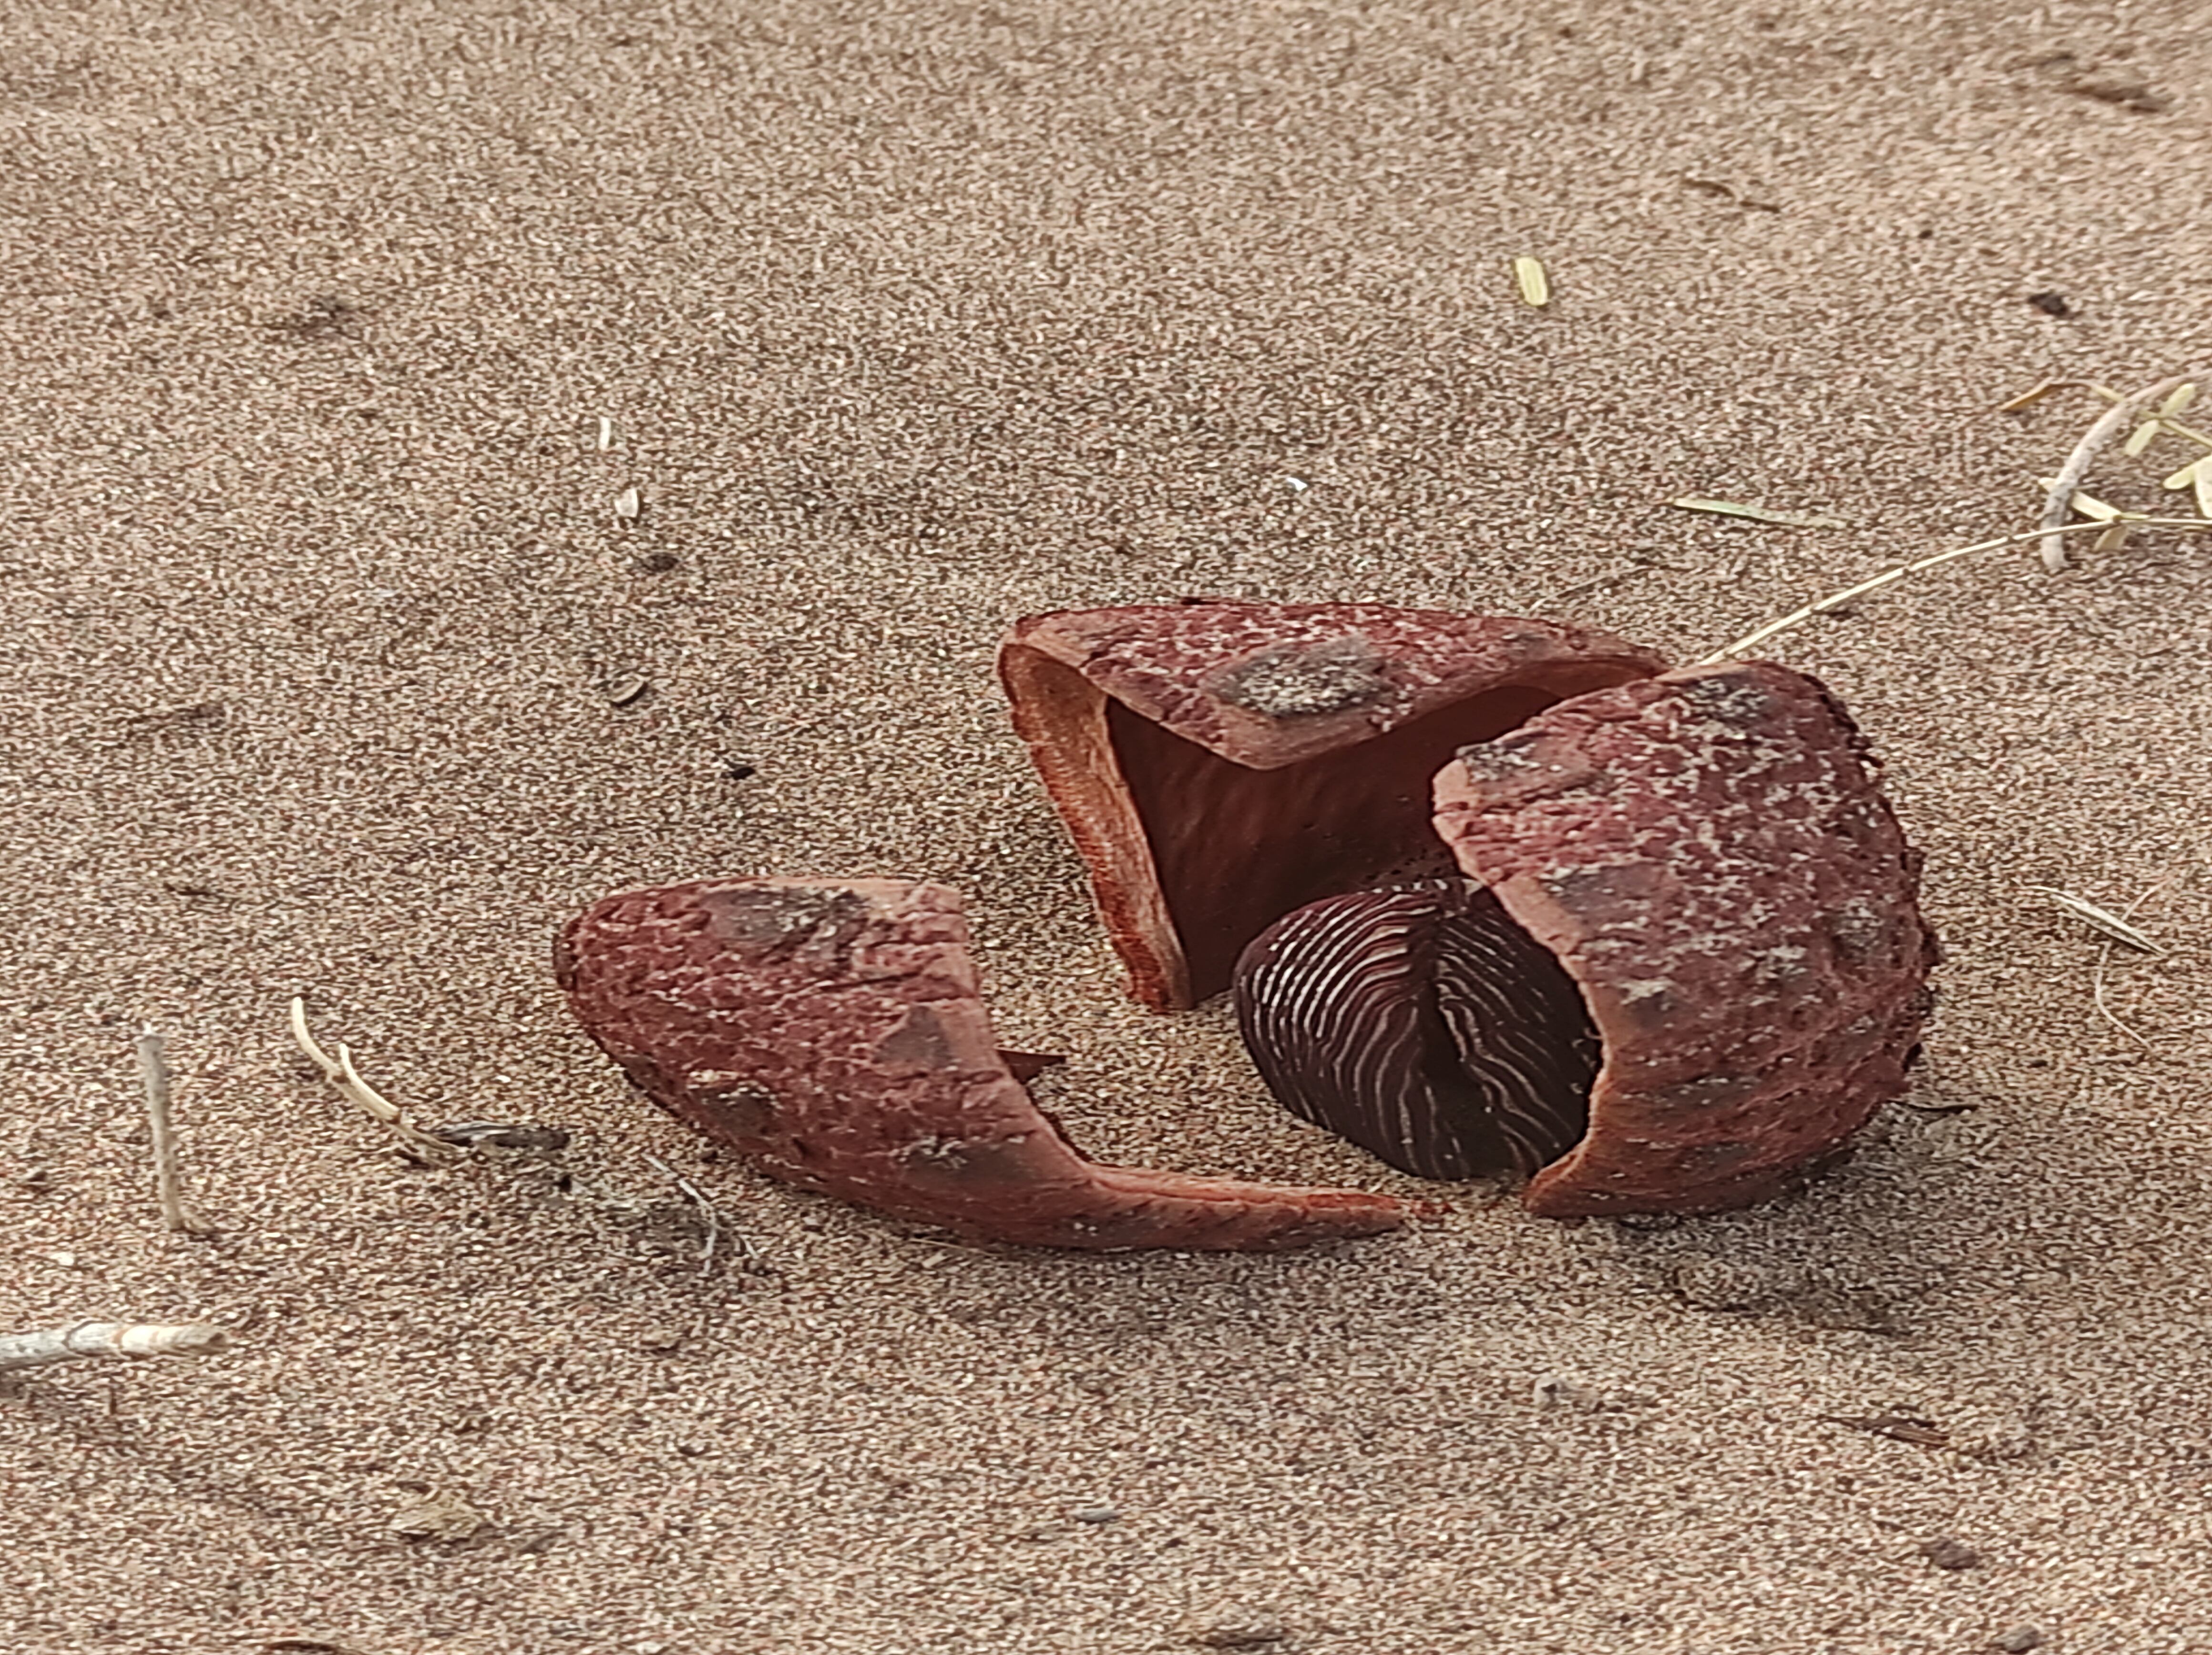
point(659, 562)
point(2050, 304)
point(2124, 91)
point(1946, 1553)
point(738, 770)
point(2020, 1640)
point(1239, 1631)
point(203, 714)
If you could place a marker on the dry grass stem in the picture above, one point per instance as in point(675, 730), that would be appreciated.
point(2060, 499)
point(1612, 576)
point(89, 1341)
point(168, 1178)
point(1758, 513)
point(2113, 925)
point(2097, 997)
point(342, 1074)
point(1887, 577)
point(2098, 978)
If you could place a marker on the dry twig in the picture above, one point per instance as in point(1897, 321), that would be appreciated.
point(2059, 501)
point(168, 1179)
point(84, 1341)
point(346, 1080)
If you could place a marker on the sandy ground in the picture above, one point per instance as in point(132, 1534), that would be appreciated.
point(911, 318)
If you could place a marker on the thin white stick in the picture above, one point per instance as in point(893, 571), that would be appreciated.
point(2105, 959)
point(2097, 997)
point(346, 1080)
point(2060, 501)
point(168, 1178)
point(1798, 617)
point(83, 1341)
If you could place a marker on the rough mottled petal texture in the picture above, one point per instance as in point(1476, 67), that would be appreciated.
point(1709, 856)
point(833, 1031)
point(1220, 764)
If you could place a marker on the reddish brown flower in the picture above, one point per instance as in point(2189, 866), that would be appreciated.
point(1219, 764)
point(1705, 857)
point(1653, 938)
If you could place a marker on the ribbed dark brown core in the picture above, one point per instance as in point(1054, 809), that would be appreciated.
point(1421, 1024)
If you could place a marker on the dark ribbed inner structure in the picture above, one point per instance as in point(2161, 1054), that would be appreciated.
point(1420, 1023)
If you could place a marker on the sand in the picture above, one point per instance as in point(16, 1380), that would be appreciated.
point(910, 318)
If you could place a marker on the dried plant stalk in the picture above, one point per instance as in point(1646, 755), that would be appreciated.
point(711, 1215)
point(168, 1177)
point(347, 1081)
point(86, 1341)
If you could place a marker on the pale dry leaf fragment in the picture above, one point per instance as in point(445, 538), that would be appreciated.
point(437, 1516)
point(2102, 919)
point(2140, 437)
point(2186, 477)
point(1757, 513)
point(2087, 506)
point(2112, 540)
point(626, 503)
point(2174, 406)
point(1534, 283)
point(606, 436)
point(2203, 486)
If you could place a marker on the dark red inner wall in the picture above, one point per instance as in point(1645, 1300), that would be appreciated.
point(1237, 849)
